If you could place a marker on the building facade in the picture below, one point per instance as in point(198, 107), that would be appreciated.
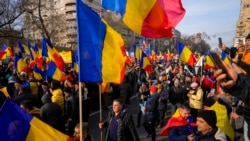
point(243, 22)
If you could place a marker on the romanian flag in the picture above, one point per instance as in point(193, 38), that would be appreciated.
point(21, 65)
point(186, 54)
point(145, 63)
point(75, 61)
point(35, 57)
point(38, 73)
point(150, 18)
point(8, 50)
point(208, 64)
point(52, 53)
point(18, 125)
point(101, 48)
point(224, 57)
point(138, 53)
point(23, 48)
point(53, 72)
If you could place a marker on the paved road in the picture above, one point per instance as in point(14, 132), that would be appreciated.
point(132, 108)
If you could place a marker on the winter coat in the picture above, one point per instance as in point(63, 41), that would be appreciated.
point(163, 96)
point(126, 129)
point(50, 112)
point(215, 135)
point(196, 98)
point(178, 133)
point(176, 95)
point(25, 96)
point(70, 107)
point(151, 106)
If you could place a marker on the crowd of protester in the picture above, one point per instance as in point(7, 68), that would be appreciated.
point(201, 105)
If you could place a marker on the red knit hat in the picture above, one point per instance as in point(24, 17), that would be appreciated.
point(153, 89)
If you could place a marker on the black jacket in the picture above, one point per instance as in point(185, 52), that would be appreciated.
point(126, 128)
point(176, 95)
point(241, 89)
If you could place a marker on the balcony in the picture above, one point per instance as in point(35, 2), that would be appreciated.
point(71, 32)
point(71, 8)
point(241, 25)
point(70, 17)
point(70, 2)
point(240, 31)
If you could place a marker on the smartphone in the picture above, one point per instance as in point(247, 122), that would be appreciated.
point(220, 41)
point(218, 64)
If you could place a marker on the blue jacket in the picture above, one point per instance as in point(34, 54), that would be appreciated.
point(151, 106)
point(178, 133)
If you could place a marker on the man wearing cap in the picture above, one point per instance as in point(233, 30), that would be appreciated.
point(151, 111)
point(206, 127)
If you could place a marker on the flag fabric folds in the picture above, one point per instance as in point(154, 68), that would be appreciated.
point(23, 48)
point(53, 72)
point(224, 57)
point(8, 50)
point(145, 63)
point(2, 53)
point(185, 54)
point(157, 20)
point(101, 57)
point(208, 63)
point(18, 125)
point(20, 64)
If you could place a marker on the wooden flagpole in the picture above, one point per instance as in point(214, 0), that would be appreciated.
point(80, 109)
point(100, 104)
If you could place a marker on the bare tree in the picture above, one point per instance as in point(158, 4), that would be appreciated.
point(10, 20)
point(41, 16)
point(196, 43)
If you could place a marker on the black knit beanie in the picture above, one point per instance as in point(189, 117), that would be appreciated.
point(248, 36)
point(209, 116)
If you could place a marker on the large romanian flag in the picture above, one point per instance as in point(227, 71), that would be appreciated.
point(186, 54)
point(18, 125)
point(149, 18)
point(101, 49)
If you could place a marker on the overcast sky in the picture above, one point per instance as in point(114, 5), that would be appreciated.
point(217, 18)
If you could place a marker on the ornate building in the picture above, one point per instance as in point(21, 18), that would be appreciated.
point(243, 23)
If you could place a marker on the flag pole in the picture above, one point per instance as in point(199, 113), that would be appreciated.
point(100, 104)
point(99, 85)
point(80, 109)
